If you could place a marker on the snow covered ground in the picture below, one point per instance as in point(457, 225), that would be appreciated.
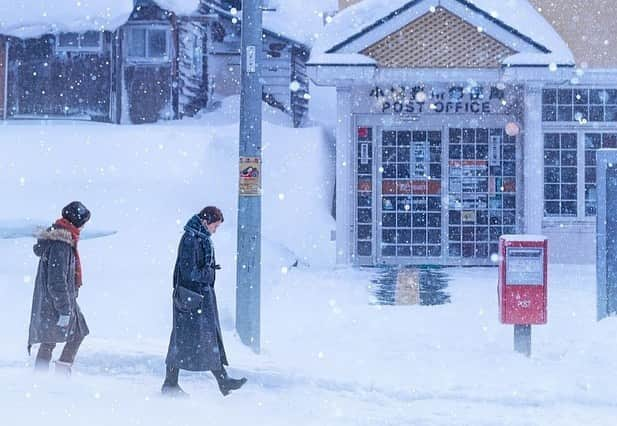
point(331, 356)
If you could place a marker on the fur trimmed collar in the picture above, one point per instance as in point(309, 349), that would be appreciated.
point(56, 234)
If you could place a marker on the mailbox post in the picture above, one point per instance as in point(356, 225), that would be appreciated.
point(522, 288)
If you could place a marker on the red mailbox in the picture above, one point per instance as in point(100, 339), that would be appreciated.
point(523, 286)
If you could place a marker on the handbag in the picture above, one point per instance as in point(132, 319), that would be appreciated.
point(187, 300)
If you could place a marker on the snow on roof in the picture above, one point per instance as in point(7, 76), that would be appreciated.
point(333, 59)
point(293, 20)
point(179, 7)
point(298, 20)
point(523, 237)
point(517, 16)
point(523, 17)
point(32, 18)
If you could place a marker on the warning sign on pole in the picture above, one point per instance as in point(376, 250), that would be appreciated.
point(250, 176)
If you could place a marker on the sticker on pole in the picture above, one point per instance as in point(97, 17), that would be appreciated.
point(250, 176)
point(251, 59)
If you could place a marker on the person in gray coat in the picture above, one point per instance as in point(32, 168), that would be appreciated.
point(196, 342)
point(56, 317)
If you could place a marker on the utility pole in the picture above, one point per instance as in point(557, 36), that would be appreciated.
point(249, 197)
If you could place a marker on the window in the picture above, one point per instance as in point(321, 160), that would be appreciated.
point(364, 210)
point(560, 174)
point(149, 44)
point(90, 41)
point(593, 142)
point(579, 104)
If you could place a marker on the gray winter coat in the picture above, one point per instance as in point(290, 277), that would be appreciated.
point(196, 342)
point(55, 293)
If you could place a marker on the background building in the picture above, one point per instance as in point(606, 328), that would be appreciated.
point(157, 60)
point(461, 121)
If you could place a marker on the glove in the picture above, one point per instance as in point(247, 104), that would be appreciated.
point(217, 267)
point(63, 321)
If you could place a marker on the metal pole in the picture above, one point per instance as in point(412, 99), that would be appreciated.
point(249, 196)
point(522, 339)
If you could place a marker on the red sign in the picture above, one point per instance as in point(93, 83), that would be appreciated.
point(365, 184)
point(363, 133)
point(523, 287)
point(408, 187)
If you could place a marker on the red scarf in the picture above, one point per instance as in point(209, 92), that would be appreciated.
point(68, 226)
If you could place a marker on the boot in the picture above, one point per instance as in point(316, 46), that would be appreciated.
point(63, 369)
point(173, 391)
point(43, 358)
point(226, 383)
point(41, 366)
point(170, 387)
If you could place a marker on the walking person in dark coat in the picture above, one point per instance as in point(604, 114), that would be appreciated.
point(56, 316)
point(196, 342)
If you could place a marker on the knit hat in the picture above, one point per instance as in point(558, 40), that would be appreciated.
point(76, 213)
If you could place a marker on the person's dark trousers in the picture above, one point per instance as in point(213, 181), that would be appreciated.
point(171, 376)
point(171, 387)
point(69, 352)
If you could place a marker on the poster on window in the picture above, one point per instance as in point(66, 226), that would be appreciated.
point(494, 150)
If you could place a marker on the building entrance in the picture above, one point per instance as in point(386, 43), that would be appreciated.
point(434, 194)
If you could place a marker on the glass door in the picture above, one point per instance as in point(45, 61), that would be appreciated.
point(410, 190)
point(481, 192)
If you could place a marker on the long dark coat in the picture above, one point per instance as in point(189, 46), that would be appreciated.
point(196, 342)
point(55, 292)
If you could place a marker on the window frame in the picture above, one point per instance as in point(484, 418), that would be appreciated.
point(147, 59)
point(573, 104)
point(79, 48)
point(580, 131)
point(560, 166)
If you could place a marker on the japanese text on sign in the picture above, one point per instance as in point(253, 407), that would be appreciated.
point(524, 266)
point(250, 176)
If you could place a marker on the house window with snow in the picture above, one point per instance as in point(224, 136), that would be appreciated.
point(148, 44)
point(90, 41)
point(560, 174)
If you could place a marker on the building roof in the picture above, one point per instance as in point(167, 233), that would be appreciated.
point(179, 7)
point(33, 18)
point(517, 17)
point(290, 20)
point(269, 25)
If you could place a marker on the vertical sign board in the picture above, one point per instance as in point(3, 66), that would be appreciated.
point(606, 233)
point(3, 71)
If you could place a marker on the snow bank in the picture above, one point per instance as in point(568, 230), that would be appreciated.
point(24, 228)
point(32, 18)
point(145, 182)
